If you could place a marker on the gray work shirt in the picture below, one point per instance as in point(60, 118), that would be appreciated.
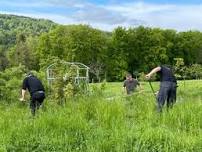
point(130, 85)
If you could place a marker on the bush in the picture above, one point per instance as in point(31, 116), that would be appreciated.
point(66, 84)
point(10, 83)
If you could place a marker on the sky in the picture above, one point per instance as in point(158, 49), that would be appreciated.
point(181, 15)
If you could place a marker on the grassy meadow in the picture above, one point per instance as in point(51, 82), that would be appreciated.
point(106, 121)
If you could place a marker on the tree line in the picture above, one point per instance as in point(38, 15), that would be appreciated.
point(108, 54)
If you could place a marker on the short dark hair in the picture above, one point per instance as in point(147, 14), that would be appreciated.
point(29, 73)
point(167, 65)
point(128, 75)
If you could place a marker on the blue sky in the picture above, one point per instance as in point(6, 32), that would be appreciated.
point(181, 15)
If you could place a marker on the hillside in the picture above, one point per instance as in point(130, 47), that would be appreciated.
point(11, 25)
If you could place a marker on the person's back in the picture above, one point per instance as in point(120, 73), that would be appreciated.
point(166, 74)
point(36, 90)
point(33, 84)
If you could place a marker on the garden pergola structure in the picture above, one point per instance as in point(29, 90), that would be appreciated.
point(82, 72)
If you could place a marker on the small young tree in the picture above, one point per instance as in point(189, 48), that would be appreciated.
point(179, 68)
point(10, 83)
point(66, 83)
point(97, 69)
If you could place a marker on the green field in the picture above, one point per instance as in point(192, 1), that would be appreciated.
point(106, 121)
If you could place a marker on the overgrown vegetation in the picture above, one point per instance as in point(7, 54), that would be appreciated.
point(66, 84)
point(100, 123)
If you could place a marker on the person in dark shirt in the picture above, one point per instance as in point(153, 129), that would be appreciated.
point(130, 84)
point(168, 85)
point(36, 90)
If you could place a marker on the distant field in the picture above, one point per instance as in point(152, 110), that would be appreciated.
point(107, 121)
point(188, 86)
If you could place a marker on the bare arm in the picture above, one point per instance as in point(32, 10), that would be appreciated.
point(124, 90)
point(124, 87)
point(23, 95)
point(155, 70)
point(140, 86)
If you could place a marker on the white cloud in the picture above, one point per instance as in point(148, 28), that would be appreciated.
point(29, 4)
point(179, 17)
point(106, 17)
point(139, 7)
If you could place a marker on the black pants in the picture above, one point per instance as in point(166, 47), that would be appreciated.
point(37, 99)
point(167, 92)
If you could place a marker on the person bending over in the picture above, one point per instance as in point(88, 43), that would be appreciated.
point(36, 90)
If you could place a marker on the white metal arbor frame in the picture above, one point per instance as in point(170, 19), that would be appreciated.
point(85, 77)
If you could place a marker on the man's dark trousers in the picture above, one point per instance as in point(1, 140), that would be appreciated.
point(37, 99)
point(167, 92)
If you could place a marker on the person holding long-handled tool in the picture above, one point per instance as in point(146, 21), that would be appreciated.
point(154, 93)
point(168, 86)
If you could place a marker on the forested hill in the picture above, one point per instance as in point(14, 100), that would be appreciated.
point(12, 25)
point(15, 29)
point(25, 24)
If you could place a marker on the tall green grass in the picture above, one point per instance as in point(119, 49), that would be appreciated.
point(107, 122)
